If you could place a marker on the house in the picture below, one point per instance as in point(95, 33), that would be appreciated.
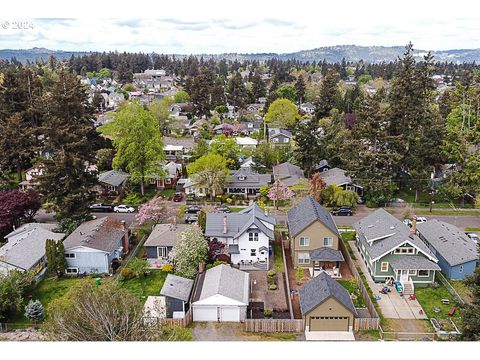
point(96, 246)
point(25, 248)
point(456, 252)
point(222, 295)
point(173, 172)
point(246, 235)
point(288, 173)
point(112, 181)
point(31, 177)
point(314, 238)
point(251, 127)
point(392, 252)
point(161, 241)
point(307, 108)
point(191, 188)
point(246, 142)
point(248, 162)
point(337, 176)
point(279, 136)
point(178, 149)
point(247, 182)
point(326, 305)
point(322, 166)
point(177, 291)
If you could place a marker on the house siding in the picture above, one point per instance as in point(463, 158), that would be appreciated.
point(151, 251)
point(89, 262)
point(330, 307)
point(173, 305)
point(468, 269)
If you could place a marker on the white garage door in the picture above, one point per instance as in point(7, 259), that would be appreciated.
point(201, 313)
point(230, 314)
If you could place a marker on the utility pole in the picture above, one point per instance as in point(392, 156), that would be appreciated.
point(432, 189)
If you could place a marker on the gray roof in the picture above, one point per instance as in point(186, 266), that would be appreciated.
point(288, 173)
point(188, 143)
point(29, 226)
point(165, 234)
point(113, 177)
point(247, 178)
point(319, 289)
point(449, 241)
point(177, 287)
point(321, 164)
point(326, 254)
point(26, 245)
point(413, 262)
point(274, 132)
point(381, 232)
point(305, 213)
point(226, 281)
point(335, 176)
point(238, 223)
point(101, 234)
point(233, 249)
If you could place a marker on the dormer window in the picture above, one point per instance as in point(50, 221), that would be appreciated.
point(241, 177)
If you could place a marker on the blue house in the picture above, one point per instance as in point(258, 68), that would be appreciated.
point(96, 246)
point(456, 252)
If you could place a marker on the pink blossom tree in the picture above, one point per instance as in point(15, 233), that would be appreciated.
point(279, 191)
point(155, 211)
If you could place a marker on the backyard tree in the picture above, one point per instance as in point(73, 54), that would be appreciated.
point(283, 113)
point(191, 249)
point(138, 266)
point(228, 148)
point(209, 172)
point(317, 185)
point(34, 311)
point(13, 288)
point(181, 97)
point(17, 207)
point(51, 256)
point(279, 191)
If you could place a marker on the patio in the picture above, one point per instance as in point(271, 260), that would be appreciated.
point(272, 299)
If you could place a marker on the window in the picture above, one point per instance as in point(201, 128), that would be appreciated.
point(304, 258)
point(461, 269)
point(423, 273)
point(71, 270)
point(168, 181)
point(304, 241)
point(253, 252)
point(404, 250)
point(70, 255)
point(327, 241)
point(286, 140)
point(275, 139)
point(384, 267)
point(412, 272)
point(253, 236)
point(161, 252)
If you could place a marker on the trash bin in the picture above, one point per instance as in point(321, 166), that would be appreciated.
point(98, 281)
point(270, 251)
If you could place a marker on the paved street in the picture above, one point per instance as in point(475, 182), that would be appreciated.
point(42, 216)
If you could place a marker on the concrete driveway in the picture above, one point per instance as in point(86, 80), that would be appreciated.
point(392, 305)
point(329, 336)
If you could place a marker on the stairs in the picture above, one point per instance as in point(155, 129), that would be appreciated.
point(260, 266)
point(408, 288)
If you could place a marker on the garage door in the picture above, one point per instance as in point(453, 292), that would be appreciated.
point(230, 314)
point(201, 313)
point(328, 323)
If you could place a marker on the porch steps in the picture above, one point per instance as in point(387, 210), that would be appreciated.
point(261, 266)
point(408, 288)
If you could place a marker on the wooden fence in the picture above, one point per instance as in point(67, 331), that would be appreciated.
point(366, 324)
point(274, 325)
point(450, 288)
point(187, 320)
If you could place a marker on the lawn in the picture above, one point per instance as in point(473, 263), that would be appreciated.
point(236, 209)
point(352, 288)
point(346, 237)
point(462, 290)
point(472, 229)
point(167, 193)
point(269, 336)
point(146, 286)
point(447, 212)
point(278, 258)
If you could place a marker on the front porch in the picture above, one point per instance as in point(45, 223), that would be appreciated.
point(327, 260)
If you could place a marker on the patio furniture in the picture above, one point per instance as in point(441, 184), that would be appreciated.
point(377, 297)
point(412, 297)
point(452, 311)
point(436, 309)
point(445, 301)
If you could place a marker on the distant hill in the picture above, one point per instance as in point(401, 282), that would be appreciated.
point(373, 54)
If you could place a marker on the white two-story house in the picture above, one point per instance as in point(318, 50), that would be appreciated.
point(246, 235)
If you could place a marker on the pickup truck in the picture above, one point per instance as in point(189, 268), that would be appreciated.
point(101, 208)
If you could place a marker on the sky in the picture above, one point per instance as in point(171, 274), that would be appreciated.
point(245, 26)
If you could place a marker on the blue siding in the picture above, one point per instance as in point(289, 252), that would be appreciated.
point(453, 272)
point(89, 262)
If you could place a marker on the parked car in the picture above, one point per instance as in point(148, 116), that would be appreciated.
point(475, 238)
point(343, 211)
point(123, 209)
point(191, 219)
point(408, 222)
point(178, 197)
point(421, 219)
point(222, 209)
point(194, 209)
point(101, 208)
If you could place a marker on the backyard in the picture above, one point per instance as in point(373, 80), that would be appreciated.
point(278, 258)
point(146, 286)
point(352, 288)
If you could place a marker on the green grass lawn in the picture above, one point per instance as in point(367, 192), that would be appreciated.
point(352, 288)
point(236, 209)
point(346, 237)
point(472, 229)
point(278, 258)
point(447, 212)
point(462, 290)
point(167, 192)
point(147, 286)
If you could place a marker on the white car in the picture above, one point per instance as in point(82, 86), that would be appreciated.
point(475, 238)
point(421, 219)
point(123, 209)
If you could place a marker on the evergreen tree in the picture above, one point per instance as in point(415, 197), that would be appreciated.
point(258, 86)
point(328, 95)
point(34, 311)
point(300, 87)
point(61, 261)
point(51, 255)
point(237, 94)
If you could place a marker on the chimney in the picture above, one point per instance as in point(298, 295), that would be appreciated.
point(201, 267)
point(125, 239)
point(124, 225)
point(224, 224)
point(414, 225)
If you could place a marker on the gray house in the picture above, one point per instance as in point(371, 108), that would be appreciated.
point(279, 136)
point(96, 246)
point(177, 291)
point(161, 242)
point(288, 173)
point(337, 176)
point(247, 182)
point(112, 181)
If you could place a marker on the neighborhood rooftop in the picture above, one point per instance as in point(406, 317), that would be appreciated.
point(113, 177)
point(165, 234)
point(177, 287)
point(335, 176)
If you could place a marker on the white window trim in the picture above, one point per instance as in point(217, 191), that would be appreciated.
point(331, 241)
point(428, 274)
point(460, 270)
point(253, 252)
point(305, 239)
point(160, 249)
point(70, 257)
point(381, 266)
point(71, 268)
point(302, 259)
point(412, 273)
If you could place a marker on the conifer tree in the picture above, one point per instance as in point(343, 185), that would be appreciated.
point(328, 95)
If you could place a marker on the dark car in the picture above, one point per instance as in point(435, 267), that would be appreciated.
point(191, 219)
point(192, 210)
point(178, 197)
point(343, 211)
point(222, 209)
point(101, 208)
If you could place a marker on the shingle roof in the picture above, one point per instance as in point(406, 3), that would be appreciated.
point(413, 262)
point(305, 213)
point(274, 132)
point(449, 241)
point(326, 254)
point(251, 179)
point(335, 176)
point(288, 173)
point(165, 234)
point(381, 232)
point(188, 143)
point(319, 289)
point(100, 234)
point(226, 281)
point(177, 287)
point(113, 177)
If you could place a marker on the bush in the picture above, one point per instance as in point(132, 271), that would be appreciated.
point(371, 204)
point(127, 274)
point(272, 287)
point(299, 274)
point(268, 313)
point(216, 263)
point(168, 268)
point(271, 273)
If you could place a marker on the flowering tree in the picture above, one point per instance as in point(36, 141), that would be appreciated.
point(317, 185)
point(17, 207)
point(190, 250)
point(279, 191)
point(155, 211)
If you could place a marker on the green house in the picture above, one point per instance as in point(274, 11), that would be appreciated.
point(392, 252)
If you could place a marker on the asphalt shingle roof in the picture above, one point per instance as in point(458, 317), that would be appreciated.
point(113, 177)
point(305, 213)
point(326, 254)
point(413, 262)
point(247, 178)
point(165, 235)
point(319, 289)
point(335, 176)
point(225, 281)
point(288, 173)
point(177, 287)
point(449, 241)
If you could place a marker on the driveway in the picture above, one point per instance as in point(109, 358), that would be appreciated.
point(392, 305)
point(213, 331)
point(329, 336)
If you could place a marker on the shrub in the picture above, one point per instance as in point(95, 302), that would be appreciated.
point(168, 268)
point(299, 274)
point(272, 287)
point(127, 274)
point(34, 311)
point(268, 313)
point(271, 273)
point(215, 263)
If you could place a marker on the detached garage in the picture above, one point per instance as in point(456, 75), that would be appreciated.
point(222, 295)
point(326, 305)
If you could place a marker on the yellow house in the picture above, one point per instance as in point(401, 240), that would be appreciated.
point(314, 238)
